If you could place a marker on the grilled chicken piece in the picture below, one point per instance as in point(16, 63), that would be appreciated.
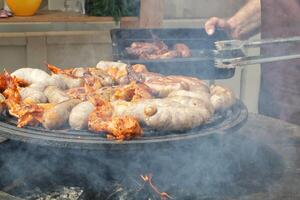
point(27, 113)
point(118, 128)
point(116, 70)
point(92, 83)
point(146, 48)
point(222, 98)
point(132, 92)
point(165, 55)
point(3, 82)
point(67, 75)
point(77, 72)
point(182, 50)
point(157, 50)
point(77, 93)
point(104, 78)
point(139, 68)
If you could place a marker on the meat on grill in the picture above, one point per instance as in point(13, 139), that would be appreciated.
point(58, 116)
point(182, 50)
point(79, 115)
point(103, 103)
point(157, 50)
point(55, 95)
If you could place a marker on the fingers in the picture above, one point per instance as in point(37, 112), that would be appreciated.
point(213, 23)
point(210, 25)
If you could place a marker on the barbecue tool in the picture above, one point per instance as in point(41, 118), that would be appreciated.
point(239, 45)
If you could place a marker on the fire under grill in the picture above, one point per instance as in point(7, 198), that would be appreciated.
point(213, 169)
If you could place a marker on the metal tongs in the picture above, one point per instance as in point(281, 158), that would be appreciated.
point(238, 45)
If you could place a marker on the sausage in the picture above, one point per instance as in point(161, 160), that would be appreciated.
point(57, 81)
point(31, 75)
point(79, 116)
point(38, 78)
point(163, 86)
point(33, 95)
point(203, 96)
point(71, 82)
point(58, 116)
point(171, 113)
point(193, 83)
point(2, 104)
point(105, 79)
point(104, 65)
point(221, 98)
point(55, 95)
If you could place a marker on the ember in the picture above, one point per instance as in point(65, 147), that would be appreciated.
point(148, 179)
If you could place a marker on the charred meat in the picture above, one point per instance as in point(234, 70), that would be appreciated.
point(157, 50)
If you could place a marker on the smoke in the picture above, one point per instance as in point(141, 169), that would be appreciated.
point(212, 167)
point(232, 165)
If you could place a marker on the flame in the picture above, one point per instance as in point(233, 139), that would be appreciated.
point(148, 179)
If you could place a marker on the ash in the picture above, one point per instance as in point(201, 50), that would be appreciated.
point(59, 193)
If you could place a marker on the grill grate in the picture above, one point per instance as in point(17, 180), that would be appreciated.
point(199, 65)
point(221, 123)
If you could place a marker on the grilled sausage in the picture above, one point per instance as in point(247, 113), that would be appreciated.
point(79, 116)
point(171, 113)
point(33, 95)
point(39, 78)
point(221, 98)
point(55, 95)
point(31, 75)
point(163, 86)
point(2, 104)
point(58, 116)
point(71, 82)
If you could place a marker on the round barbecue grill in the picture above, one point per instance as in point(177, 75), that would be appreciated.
point(221, 124)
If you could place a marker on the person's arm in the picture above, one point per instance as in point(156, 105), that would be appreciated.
point(245, 23)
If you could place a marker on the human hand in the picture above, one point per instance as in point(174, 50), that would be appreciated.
point(215, 22)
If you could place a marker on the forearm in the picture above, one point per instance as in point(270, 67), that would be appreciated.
point(246, 22)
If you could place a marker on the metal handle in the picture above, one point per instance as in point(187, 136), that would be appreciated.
point(271, 41)
point(260, 60)
point(230, 45)
point(242, 61)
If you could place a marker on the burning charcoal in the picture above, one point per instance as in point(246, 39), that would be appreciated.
point(6, 196)
point(61, 193)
